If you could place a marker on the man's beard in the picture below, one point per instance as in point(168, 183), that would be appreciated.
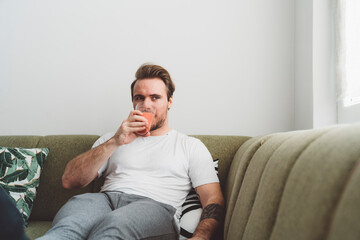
point(158, 125)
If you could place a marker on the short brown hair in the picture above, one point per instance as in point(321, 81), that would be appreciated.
point(154, 71)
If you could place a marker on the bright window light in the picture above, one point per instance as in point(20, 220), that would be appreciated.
point(352, 52)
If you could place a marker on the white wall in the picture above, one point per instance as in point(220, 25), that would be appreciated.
point(315, 100)
point(66, 66)
point(324, 64)
point(303, 64)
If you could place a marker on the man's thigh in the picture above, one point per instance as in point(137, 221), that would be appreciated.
point(78, 216)
point(142, 219)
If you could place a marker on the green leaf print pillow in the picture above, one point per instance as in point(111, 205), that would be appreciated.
point(20, 170)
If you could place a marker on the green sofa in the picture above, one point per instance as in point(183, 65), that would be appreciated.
point(291, 185)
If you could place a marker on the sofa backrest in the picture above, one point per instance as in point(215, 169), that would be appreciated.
point(224, 149)
point(50, 194)
point(296, 185)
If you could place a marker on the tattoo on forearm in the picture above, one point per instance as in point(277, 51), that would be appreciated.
point(214, 211)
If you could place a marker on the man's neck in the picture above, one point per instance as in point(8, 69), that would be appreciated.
point(161, 131)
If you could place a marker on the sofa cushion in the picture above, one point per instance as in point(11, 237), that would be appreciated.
point(36, 229)
point(223, 148)
point(51, 195)
point(20, 170)
point(296, 185)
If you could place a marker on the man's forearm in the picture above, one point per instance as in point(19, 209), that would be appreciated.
point(211, 218)
point(81, 170)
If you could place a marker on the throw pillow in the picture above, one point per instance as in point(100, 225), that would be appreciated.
point(20, 170)
point(191, 212)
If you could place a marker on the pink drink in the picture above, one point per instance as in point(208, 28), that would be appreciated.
point(149, 116)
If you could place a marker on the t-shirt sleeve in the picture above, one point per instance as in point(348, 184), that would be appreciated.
point(201, 165)
point(98, 142)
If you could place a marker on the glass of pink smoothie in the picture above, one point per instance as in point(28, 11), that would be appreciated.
point(149, 114)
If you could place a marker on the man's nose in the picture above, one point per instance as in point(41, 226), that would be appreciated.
point(147, 103)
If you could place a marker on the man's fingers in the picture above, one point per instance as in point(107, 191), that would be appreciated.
point(137, 118)
point(134, 112)
point(136, 124)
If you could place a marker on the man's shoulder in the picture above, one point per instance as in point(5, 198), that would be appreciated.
point(186, 139)
point(184, 136)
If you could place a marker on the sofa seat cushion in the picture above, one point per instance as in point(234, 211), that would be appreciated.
point(37, 229)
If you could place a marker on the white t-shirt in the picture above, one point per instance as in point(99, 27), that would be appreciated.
point(163, 168)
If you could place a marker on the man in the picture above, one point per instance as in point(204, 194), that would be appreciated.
point(147, 177)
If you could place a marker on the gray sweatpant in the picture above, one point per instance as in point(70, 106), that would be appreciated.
point(113, 215)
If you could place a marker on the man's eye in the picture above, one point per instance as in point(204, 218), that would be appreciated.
point(137, 98)
point(155, 97)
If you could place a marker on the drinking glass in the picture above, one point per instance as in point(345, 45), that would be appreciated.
point(149, 114)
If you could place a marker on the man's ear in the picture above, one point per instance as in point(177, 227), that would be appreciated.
point(170, 102)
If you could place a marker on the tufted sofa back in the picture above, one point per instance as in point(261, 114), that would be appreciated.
point(50, 193)
point(296, 185)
